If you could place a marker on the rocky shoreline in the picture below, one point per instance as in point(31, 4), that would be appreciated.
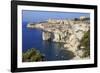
point(71, 32)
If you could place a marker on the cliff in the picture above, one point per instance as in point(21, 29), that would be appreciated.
point(70, 32)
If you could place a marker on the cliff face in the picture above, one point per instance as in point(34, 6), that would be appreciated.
point(46, 35)
point(68, 31)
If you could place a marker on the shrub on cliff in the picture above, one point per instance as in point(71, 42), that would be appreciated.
point(32, 55)
point(85, 42)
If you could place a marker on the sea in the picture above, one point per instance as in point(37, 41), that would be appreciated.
point(53, 51)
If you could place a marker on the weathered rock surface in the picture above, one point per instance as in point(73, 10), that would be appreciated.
point(68, 31)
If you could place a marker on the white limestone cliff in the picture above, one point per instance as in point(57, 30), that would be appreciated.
point(68, 31)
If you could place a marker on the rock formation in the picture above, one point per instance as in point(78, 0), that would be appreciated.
point(68, 31)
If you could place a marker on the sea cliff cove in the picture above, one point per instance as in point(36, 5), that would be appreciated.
point(62, 39)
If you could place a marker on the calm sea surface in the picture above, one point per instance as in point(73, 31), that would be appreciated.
point(32, 38)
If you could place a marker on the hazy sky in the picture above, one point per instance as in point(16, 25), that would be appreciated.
point(39, 16)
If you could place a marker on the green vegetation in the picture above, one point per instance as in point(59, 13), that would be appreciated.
point(32, 55)
point(85, 42)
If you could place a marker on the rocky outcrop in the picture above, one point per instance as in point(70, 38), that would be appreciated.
point(68, 31)
point(46, 36)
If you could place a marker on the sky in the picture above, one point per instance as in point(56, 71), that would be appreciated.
point(39, 16)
